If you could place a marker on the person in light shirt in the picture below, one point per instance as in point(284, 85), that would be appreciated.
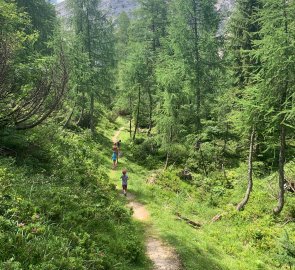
point(124, 177)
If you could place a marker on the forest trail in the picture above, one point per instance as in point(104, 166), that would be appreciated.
point(163, 256)
point(116, 135)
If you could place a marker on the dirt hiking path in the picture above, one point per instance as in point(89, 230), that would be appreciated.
point(163, 256)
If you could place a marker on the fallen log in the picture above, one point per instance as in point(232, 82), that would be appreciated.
point(217, 218)
point(194, 224)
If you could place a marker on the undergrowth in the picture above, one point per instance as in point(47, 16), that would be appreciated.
point(58, 209)
point(251, 239)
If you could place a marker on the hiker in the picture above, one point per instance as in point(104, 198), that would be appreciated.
point(115, 156)
point(124, 178)
point(118, 143)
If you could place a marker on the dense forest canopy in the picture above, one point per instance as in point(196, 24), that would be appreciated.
point(212, 109)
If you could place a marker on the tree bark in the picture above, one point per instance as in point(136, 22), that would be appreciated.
point(281, 200)
point(197, 66)
point(167, 161)
point(137, 115)
point(203, 162)
point(80, 117)
point(130, 119)
point(242, 204)
point(91, 120)
point(91, 112)
point(282, 157)
point(150, 111)
point(70, 117)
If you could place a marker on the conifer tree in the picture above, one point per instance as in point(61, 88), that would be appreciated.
point(32, 81)
point(152, 22)
point(243, 30)
point(95, 32)
point(144, 40)
point(192, 30)
point(276, 79)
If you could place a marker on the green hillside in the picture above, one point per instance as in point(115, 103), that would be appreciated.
point(206, 121)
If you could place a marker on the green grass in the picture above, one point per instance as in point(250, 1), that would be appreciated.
point(239, 241)
point(58, 209)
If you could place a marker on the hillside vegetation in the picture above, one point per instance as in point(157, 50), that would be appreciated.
point(58, 207)
point(225, 238)
point(207, 129)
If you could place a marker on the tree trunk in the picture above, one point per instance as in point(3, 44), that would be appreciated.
point(203, 162)
point(130, 119)
point(167, 161)
point(137, 115)
point(150, 112)
point(81, 117)
point(281, 202)
point(91, 120)
point(168, 153)
point(277, 210)
point(70, 117)
point(197, 66)
point(242, 204)
point(225, 139)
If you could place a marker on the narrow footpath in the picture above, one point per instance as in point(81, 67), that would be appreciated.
point(163, 256)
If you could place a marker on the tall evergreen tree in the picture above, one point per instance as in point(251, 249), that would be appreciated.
point(243, 29)
point(95, 32)
point(44, 25)
point(32, 83)
point(276, 78)
point(144, 40)
point(192, 30)
point(152, 22)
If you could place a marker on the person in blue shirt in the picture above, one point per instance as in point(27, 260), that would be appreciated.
point(115, 156)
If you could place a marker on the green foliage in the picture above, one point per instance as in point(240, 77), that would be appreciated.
point(43, 25)
point(63, 213)
point(33, 80)
point(286, 253)
point(92, 49)
point(198, 99)
point(243, 240)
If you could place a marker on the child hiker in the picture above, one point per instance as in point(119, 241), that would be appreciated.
point(124, 178)
point(115, 156)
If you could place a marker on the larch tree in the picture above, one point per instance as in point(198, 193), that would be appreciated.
point(276, 80)
point(192, 35)
point(242, 30)
point(33, 81)
point(152, 22)
point(146, 29)
point(95, 32)
point(186, 70)
point(44, 24)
